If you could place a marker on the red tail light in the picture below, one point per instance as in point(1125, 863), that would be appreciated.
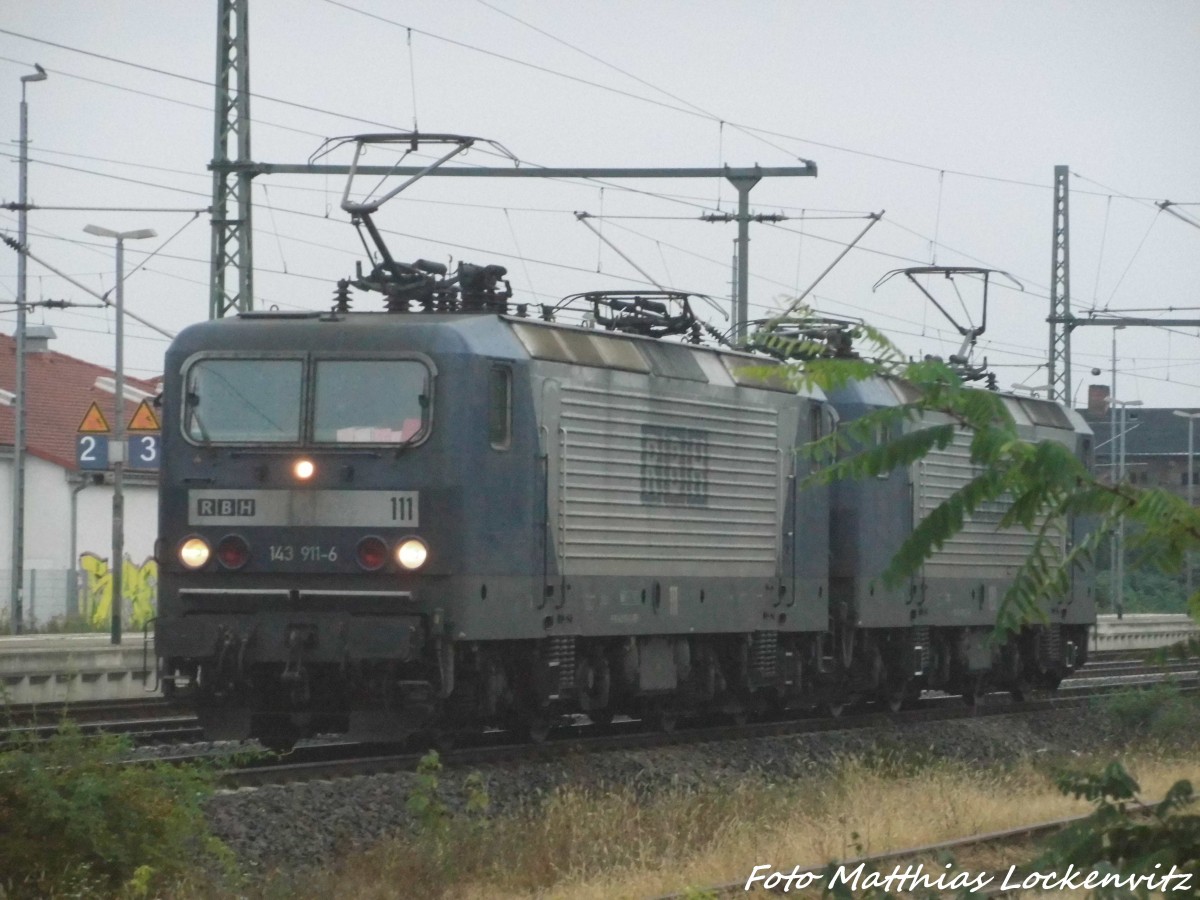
point(233, 551)
point(372, 553)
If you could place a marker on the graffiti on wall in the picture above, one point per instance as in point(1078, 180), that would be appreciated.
point(139, 590)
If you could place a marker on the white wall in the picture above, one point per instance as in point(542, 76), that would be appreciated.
point(48, 529)
point(94, 531)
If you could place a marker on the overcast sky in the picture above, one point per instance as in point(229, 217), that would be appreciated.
point(949, 116)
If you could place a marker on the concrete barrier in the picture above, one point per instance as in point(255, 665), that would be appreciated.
point(1142, 631)
point(42, 668)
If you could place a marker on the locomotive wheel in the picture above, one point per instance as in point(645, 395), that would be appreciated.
point(1051, 680)
point(835, 709)
point(666, 719)
point(600, 716)
point(1019, 685)
point(282, 741)
point(973, 691)
point(893, 693)
point(537, 729)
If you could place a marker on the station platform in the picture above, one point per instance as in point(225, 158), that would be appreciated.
point(58, 668)
point(1141, 631)
point(63, 668)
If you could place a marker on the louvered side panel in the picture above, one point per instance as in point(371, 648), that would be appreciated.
point(982, 550)
point(653, 485)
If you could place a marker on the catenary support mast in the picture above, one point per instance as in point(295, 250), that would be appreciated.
point(232, 280)
point(1060, 293)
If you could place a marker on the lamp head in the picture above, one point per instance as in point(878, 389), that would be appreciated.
point(120, 235)
point(39, 76)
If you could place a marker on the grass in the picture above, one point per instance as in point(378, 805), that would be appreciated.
point(1159, 712)
point(583, 845)
point(139, 832)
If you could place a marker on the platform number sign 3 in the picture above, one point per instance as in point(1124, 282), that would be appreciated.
point(142, 452)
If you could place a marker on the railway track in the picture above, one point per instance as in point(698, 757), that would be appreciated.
point(310, 762)
point(154, 720)
point(145, 720)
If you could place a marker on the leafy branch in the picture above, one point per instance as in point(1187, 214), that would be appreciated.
point(1042, 487)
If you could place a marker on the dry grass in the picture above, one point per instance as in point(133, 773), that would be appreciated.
point(580, 846)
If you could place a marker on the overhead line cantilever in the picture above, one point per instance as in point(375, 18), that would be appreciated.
point(742, 178)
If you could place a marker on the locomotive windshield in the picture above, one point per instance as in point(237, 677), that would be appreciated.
point(254, 401)
point(375, 401)
point(244, 400)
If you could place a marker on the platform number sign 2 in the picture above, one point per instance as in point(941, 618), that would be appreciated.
point(91, 443)
point(91, 451)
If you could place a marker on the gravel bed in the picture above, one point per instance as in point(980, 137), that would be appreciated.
point(294, 826)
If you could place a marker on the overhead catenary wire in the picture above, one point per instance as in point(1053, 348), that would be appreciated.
point(203, 107)
point(559, 265)
point(558, 211)
point(1134, 257)
point(936, 241)
point(760, 133)
point(83, 287)
point(583, 217)
point(1167, 207)
point(412, 78)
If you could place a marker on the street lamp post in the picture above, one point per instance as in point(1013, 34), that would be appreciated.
point(116, 447)
point(1191, 485)
point(17, 599)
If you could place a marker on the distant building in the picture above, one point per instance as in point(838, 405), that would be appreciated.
point(1155, 443)
point(67, 509)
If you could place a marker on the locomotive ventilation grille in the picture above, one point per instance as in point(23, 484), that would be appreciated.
point(695, 482)
point(981, 549)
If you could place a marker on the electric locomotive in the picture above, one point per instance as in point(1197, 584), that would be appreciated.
point(452, 514)
point(936, 631)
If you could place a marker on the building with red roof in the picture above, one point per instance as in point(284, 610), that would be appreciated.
point(68, 509)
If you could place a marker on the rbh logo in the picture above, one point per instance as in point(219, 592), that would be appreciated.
point(216, 506)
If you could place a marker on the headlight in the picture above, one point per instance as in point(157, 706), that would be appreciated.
point(412, 553)
point(304, 469)
point(194, 553)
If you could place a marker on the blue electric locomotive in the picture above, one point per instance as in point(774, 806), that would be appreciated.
point(378, 522)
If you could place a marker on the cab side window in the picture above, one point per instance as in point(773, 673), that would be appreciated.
point(500, 407)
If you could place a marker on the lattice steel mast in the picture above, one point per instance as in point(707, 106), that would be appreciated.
point(232, 255)
point(1060, 294)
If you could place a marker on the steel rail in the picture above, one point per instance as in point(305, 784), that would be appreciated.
point(344, 760)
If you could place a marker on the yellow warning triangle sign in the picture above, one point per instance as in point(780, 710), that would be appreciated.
point(94, 421)
point(144, 418)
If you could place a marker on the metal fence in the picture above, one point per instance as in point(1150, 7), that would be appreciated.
point(51, 598)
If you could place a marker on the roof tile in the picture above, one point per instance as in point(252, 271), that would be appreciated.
point(59, 389)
